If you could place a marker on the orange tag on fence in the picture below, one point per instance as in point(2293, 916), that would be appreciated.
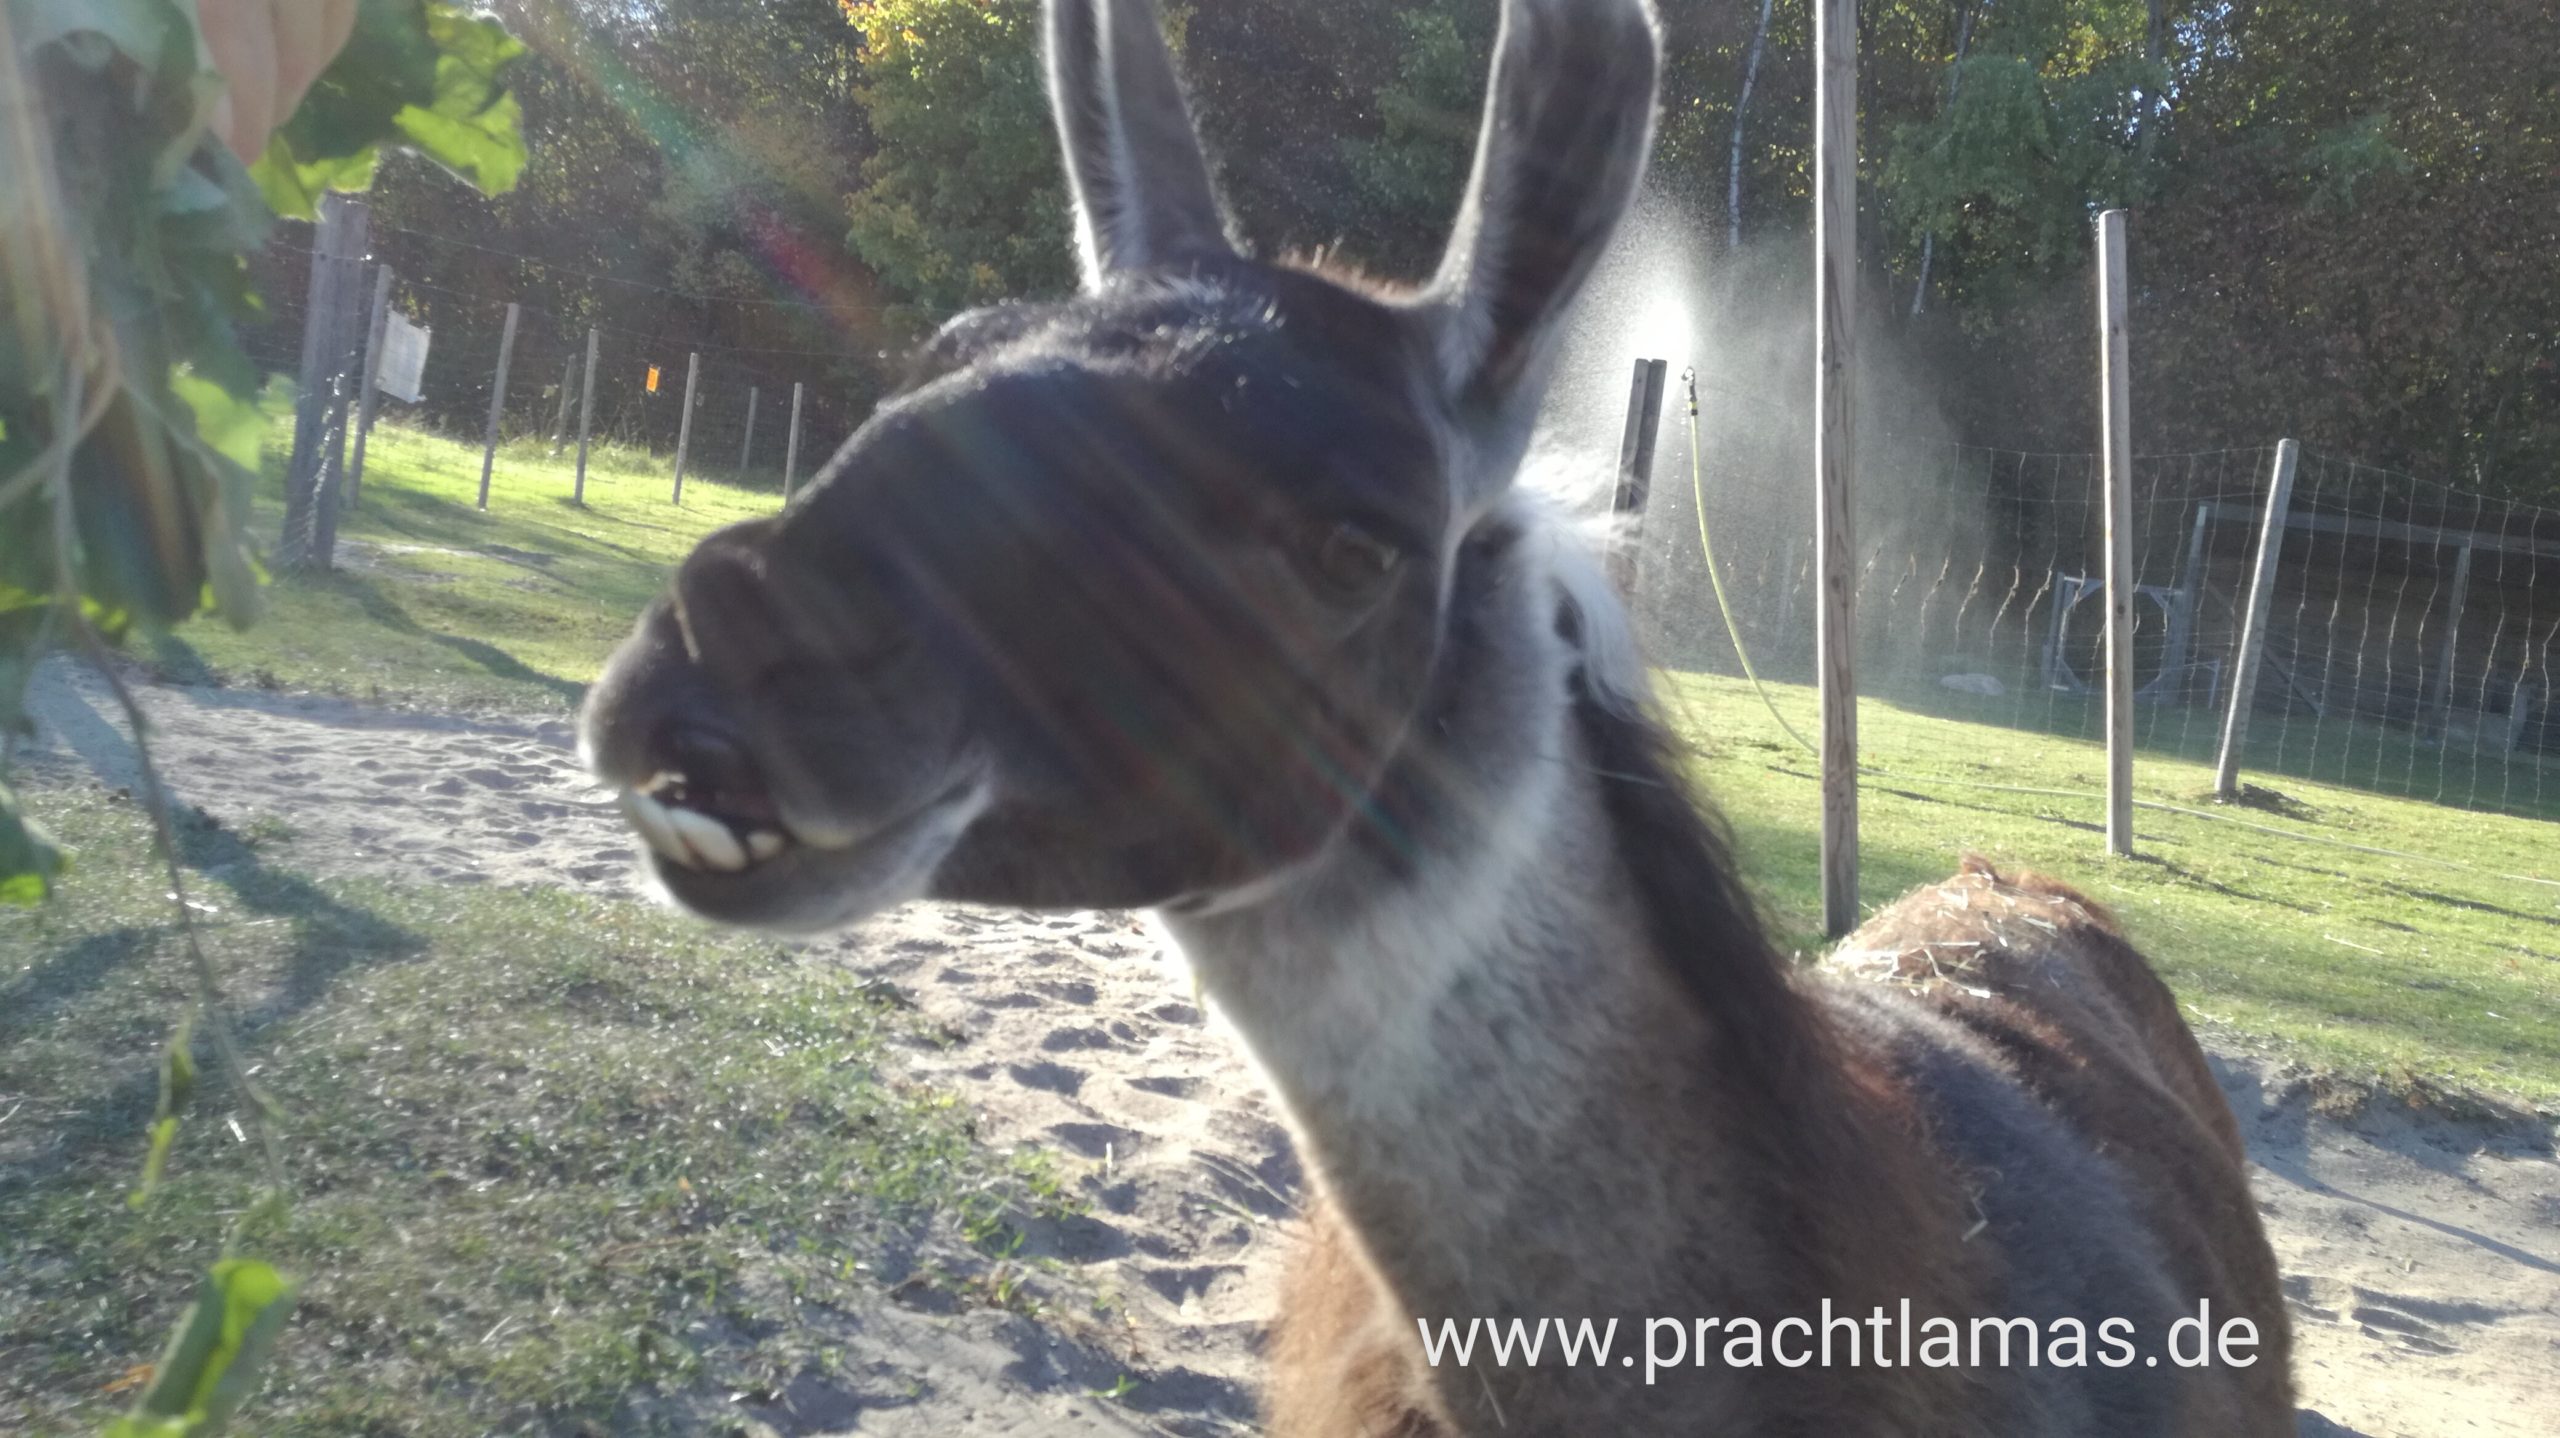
point(653, 379)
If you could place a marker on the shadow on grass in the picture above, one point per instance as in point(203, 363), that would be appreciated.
point(329, 938)
point(2185, 875)
point(69, 973)
point(2361, 755)
point(562, 529)
point(2477, 906)
point(382, 609)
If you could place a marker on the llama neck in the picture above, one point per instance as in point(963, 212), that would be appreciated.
point(1476, 1034)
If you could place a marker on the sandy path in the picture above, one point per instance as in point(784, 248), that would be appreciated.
point(2423, 1254)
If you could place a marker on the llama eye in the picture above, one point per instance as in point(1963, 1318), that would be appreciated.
point(1350, 562)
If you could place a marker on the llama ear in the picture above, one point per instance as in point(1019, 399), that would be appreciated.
point(1141, 184)
point(1568, 120)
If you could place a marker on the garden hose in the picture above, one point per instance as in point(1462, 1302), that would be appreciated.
point(1715, 577)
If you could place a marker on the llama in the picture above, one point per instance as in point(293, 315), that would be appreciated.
point(1209, 591)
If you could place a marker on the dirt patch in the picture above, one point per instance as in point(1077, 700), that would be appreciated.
point(2421, 1245)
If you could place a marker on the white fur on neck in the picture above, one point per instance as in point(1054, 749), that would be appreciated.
point(1340, 985)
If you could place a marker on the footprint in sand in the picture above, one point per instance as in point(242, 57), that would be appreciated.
point(1094, 1140)
point(1082, 1036)
point(1183, 1285)
point(1054, 1077)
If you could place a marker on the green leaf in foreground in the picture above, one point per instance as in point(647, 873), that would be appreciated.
point(29, 858)
point(473, 126)
point(177, 1083)
point(213, 1362)
point(426, 75)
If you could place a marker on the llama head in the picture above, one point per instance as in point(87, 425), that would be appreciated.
point(1129, 598)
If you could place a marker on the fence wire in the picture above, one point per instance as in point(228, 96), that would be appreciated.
point(2411, 638)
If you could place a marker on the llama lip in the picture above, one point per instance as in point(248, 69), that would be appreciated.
point(787, 885)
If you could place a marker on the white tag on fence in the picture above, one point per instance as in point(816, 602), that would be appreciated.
point(404, 358)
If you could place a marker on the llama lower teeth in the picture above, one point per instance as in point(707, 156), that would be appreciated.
point(710, 840)
point(656, 826)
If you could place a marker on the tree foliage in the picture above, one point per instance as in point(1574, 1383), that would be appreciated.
point(129, 430)
point(962, 203)
point(686, 189)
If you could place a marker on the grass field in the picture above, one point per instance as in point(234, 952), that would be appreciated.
point(2438, 968)
point(2443, 968)
point(526, 1196)
point(440, 604)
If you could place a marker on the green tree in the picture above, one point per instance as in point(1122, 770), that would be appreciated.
point(2039, 131)
point(1412, 173)
point(2356, 241)
point(963, 202)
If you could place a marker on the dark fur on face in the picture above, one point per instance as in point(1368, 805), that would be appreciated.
point(1160, 570)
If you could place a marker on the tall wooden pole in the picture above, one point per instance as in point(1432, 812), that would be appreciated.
point(2115, 379)
point(1835, 460)
point(747, 449)
point(586, 418)
point(349, 344)
point(328, 242)
point(497, 402)
point(367, 393)
point(684, 425)
point(332, 332)
point(2253, 623)
point(1635, 468)
point(2438, 708)
point(791, 447)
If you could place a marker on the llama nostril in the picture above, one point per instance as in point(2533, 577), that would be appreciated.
point(714, 766)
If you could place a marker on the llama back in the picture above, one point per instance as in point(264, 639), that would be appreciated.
point(2031, 1024)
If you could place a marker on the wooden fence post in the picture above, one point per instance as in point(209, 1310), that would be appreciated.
point(1635, 470)
point(367, 393)
point(560, 426)
point(329, 340)
point(497, 401)
point(2116, 379)
point(747, 450)
point(2253, 623)
point(2182, 634)
point(684, 425)
point(2439, 701)
point(1835, 462)
point(791, 447)
point(586, 418)
point(2519, 715)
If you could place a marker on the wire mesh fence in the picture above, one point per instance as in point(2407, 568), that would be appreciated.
point(739, 428)
point(2410, 639)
